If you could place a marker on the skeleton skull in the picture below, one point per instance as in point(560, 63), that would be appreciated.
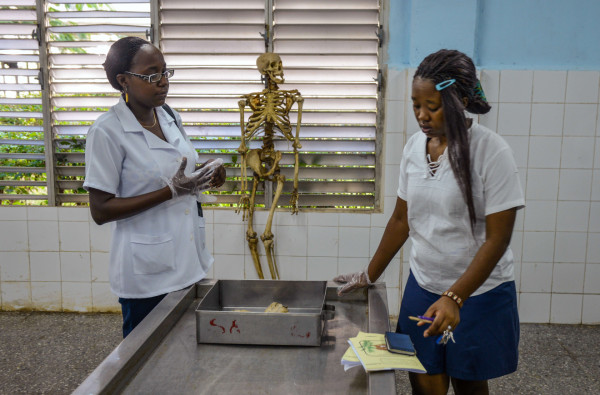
point(269, 64)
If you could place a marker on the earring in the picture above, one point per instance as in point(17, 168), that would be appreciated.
point(126, 96)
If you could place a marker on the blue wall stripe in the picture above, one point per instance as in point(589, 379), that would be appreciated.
point(498, 34)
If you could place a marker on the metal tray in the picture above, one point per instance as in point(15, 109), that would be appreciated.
point(303, 324)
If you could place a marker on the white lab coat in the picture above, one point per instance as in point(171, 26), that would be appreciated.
point(161, 249)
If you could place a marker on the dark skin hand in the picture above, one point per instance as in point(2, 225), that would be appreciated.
point(498, 231)
point(219, 176)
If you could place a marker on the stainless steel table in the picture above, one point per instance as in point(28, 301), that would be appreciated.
point(161, 355)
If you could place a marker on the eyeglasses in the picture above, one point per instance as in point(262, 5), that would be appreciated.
point(154, 77)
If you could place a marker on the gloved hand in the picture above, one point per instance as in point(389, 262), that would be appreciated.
point(198, 181)
point(352, 281)
point(218, 178)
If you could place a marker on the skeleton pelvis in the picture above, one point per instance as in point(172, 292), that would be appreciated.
point(263, 162)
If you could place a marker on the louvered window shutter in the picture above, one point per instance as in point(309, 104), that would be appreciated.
point(330, 54)
point(329, 51)
point(213, 46)
point(79, 36)
point(22, 155)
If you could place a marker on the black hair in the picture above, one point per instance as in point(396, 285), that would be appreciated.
point(441, 66)
point(119, 57)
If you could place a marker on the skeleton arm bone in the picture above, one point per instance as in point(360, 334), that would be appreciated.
point(300, 101)
point(243, 150)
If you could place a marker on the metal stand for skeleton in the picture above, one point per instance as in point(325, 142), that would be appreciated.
point(270, 115)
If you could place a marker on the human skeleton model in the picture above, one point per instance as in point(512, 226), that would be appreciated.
point(270, 115)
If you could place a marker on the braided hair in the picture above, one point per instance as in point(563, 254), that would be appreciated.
point(119, 57)
point(451, 64)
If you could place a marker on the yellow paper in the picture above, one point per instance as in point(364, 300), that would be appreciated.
point(371, 350)
point(349, 359)
point(350, 355)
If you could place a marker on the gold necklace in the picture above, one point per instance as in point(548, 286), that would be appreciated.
point(154, 124)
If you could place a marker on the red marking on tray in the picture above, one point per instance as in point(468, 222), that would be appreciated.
point(293, 328)
point(234, 325)
point(212, 322)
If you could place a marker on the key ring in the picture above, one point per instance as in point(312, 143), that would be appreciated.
point(447, 335)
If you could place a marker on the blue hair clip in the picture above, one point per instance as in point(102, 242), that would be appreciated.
point(444, 84)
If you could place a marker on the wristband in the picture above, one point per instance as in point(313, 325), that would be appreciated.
point(454, 297)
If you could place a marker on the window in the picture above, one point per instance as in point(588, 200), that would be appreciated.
point(329, 52)
point(78, 38)
point(22, 148)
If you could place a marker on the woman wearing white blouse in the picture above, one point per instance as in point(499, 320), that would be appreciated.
point(142, 176)
point(458, 194)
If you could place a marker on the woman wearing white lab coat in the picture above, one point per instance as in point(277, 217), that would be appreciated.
point(142, 176)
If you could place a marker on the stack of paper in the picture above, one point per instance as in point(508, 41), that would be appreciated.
point(349, 359)
point(370, 351)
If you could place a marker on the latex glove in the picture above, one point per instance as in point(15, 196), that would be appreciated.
point(352, 281)
point(212, 168)
point(198, 181)
point(218, 178)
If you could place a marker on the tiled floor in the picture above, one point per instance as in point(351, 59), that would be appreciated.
point(53, 352)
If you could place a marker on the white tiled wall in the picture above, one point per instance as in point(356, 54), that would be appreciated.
point(57, 258)
point(550, 120)
point(53, 259)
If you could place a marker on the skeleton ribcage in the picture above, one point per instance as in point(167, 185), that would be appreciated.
point(270, 108)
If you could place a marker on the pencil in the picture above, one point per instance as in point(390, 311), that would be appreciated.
point(410, 317)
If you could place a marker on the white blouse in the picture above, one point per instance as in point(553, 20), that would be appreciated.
point(442, 243)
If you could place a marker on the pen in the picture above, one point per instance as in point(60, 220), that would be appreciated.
point(428, 320)
point(421, 318)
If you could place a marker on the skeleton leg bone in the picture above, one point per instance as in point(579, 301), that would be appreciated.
point(267, 237)
point(251, 234)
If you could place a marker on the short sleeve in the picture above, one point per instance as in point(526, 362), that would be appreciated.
point(103, 161)
point(502, 185)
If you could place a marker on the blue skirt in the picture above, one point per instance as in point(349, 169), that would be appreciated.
point(487, 337)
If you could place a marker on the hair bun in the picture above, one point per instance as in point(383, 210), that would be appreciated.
point(478, 106)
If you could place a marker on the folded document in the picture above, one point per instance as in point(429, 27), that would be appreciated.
point(370, 351)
